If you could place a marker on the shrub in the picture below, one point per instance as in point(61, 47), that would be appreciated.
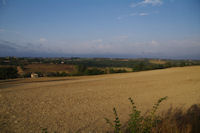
point(27, 75)
point(117, 124)
point(81, 69)
point(56, 74)
point(94, 71)
point(111, 70)
point(40, 74)
point(138, 123)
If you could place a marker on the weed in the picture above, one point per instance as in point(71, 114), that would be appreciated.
point(138, 123)
point(117, 125)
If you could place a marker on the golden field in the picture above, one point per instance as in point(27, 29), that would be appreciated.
point(154, 61)
point(79, 104)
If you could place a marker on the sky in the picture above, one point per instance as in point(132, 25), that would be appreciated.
point(100, 28)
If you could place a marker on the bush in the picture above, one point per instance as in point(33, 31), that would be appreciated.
point(81, 69)
point(94, 71)
point(57, 74)
point(27, 75)
point(138, 123)
point(111, 70)
point(40, 74)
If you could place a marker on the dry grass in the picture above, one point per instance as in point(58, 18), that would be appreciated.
point(125, 68)
point(178, 121)
point(173, 120)
point(157, 61)
point(80, 104)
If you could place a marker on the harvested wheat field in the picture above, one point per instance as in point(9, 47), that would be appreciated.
point(79, 104)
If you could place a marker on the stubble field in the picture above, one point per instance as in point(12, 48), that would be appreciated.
point(79, 104)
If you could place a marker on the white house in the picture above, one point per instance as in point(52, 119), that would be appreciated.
point(34, 75)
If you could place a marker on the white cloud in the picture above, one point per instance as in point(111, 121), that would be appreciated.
point(143, 14)
point(139, 14)
point(189, 47)
point(152, 2)
point(2, 30)
point(133, 14)
point(119, 18)
point(130, 46)
point(42, 40)
point(9, 31)
point(147, 2)
point(154, 43)
point(97, 41)
point(121, 38)
point(122, 17)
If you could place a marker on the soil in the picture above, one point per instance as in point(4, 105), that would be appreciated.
point(80, 104)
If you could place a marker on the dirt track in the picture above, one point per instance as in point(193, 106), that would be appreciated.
point(80, 104)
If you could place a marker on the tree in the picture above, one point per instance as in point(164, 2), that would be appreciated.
point(8, 72)
point(81, 69)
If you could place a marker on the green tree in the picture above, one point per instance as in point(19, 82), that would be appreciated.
point(8, 72)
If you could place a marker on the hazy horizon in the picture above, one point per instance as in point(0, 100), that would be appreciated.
point(165, 29)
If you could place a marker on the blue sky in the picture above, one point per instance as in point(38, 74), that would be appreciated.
point(100, 28)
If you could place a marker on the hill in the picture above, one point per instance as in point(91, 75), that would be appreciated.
point(79, 104)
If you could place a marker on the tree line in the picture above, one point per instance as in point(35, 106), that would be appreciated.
point(86, 66)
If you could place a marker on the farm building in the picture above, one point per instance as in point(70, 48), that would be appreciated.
point(34, 75)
